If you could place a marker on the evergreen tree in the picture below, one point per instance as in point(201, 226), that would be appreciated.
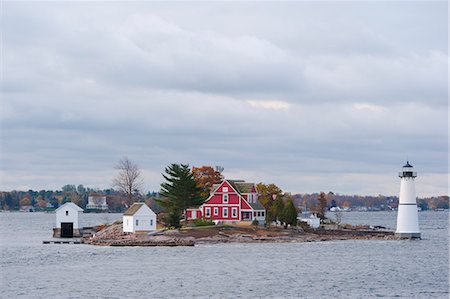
point(276, 210)
point(180, 191)
point(289, 214)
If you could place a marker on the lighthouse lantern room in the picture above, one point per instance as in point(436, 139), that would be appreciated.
point(407, 217)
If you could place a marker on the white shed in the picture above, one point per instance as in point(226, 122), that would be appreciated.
point(139, 217)
point(67, 219)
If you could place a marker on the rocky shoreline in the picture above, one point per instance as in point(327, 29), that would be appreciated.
point(113, 235)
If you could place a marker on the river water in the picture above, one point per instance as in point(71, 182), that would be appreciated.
point(334, 269)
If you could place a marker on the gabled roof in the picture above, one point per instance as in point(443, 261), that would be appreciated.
point(71, 205)
point(241, 186)
point(133, 209)
point(215, 187)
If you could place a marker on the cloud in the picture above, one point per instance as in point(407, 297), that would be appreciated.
point(300, 95)
point(370, 107)
point(276, 105)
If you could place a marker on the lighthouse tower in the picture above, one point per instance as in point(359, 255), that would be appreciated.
point(407, 218)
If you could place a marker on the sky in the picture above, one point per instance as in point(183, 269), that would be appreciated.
point(312, 96)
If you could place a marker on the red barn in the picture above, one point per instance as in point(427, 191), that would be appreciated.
point(231, 201)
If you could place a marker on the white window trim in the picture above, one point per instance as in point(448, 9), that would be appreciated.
point(216, 211)
point(207, 212)
point(223, 212)
point(225, 189)
point(223, 198)
point(234, 212)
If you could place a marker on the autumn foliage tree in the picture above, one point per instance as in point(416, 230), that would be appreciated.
point(321, 206)
point(206, 177)
point(268, 193)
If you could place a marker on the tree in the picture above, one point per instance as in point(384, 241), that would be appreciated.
point(276, 210)
point(129, 179)
point(206, 177)
point(69, 188)
point(180, 191)
point(289, 215)
point(268, 193)
point(321, 206)
point(81, 189)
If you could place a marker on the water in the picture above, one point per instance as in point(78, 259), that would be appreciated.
point(337, 269)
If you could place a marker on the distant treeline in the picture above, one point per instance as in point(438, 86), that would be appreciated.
point(44, 200)
point(371, 203)
point(117, 201)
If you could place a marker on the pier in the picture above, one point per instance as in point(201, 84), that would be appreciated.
point(63, 242)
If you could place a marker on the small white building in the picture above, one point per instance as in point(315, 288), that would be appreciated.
point(139, 217)
point(67, 219)
point(313, 221)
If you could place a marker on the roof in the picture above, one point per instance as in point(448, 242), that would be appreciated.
point(214, 187)
point(71, 205)
point(407, 164)
point(241, 186)
point(256, 206)
point(133, 209)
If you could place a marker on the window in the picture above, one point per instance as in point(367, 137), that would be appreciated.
point(137, 222)
point(67, 213)
point(259, 214)
point(208, 212)
point(225, 189)
point(216, 211)
point(234, 212)
point(225, 212)
point(250, 198)
point(262, 214)
point(225, 198)
point(151, 222)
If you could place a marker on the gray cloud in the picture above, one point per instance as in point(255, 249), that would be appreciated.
point(308, 96)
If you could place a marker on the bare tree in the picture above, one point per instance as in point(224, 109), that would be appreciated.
point(338, 216)
point(129, 179)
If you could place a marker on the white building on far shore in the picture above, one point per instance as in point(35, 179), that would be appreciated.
point(97, 202)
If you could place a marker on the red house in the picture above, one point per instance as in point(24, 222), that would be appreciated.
point(230, 201)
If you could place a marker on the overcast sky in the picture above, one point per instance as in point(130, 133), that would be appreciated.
point(326, 96)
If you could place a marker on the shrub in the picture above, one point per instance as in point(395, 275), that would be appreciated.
point(255, 222)
point(203, 222)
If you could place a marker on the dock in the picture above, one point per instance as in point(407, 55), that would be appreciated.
point(63, 242)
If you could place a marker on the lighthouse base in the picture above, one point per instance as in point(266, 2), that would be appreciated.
point(408, 235)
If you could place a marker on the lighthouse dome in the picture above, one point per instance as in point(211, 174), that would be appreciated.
point(407, 171)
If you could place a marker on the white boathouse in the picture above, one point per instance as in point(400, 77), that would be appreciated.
point(67, 220)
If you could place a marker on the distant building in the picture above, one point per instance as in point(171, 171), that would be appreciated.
point(231, 201)
point(67, 220)
point(312, 220)
point(97, 202)
point(139, 217)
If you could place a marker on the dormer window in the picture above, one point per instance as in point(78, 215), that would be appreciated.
point(225, 189)
point(225, 198)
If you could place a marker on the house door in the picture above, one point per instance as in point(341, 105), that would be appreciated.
point(194, 214)
point(66, 229)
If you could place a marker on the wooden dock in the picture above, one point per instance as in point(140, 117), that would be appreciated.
point(62, 242)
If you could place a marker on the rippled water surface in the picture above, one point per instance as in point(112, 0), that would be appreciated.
point(343, 269)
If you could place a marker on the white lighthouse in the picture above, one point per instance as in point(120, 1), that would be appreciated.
point(407, 218)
